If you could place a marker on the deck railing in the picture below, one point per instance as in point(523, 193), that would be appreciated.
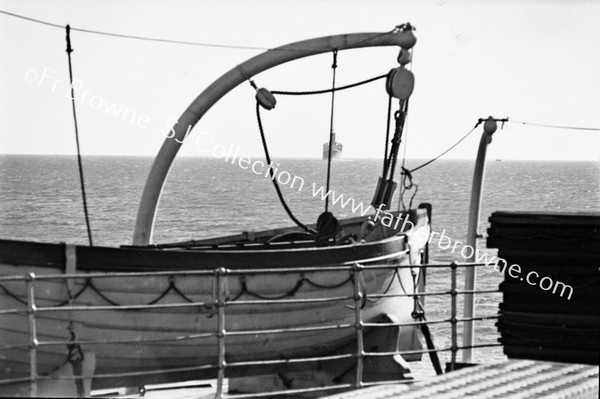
point(221, 302)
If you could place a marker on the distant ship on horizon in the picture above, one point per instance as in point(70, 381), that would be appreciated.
point(336, 149)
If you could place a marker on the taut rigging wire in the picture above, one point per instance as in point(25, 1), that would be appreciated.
point(170, 41)
point(593, 129)
point(151, 39)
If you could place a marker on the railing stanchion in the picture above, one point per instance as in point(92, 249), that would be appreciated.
point(33, 342)
point(221, 333)
point(453, 324)
point(358, 301)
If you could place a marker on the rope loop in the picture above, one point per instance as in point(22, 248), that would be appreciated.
point(406, 172)
point(74, 351)
point(75, 358)
point(407, 185)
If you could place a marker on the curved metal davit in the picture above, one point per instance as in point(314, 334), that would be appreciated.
point(401, 36)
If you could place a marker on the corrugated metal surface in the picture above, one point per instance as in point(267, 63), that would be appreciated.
point(513, 379)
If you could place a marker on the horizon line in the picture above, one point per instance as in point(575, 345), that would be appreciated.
point(302, 157)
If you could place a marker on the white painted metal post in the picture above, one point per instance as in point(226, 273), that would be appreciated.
point(489, 128)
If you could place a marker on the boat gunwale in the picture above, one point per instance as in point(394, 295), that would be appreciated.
point(52, 255)
point(151, 258)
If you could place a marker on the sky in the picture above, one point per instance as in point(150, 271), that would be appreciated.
point(531, 61)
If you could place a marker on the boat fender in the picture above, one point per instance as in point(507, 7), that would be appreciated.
point(265, 98)
point(400, 83)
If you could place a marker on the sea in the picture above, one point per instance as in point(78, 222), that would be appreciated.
point(41, 200)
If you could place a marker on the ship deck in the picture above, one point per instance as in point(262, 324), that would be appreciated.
point(510, 379)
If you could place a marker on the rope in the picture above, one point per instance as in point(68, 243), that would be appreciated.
point(504, 121)
point(75, 356)
point(172, 287)
point(405, 150)
point(324, 91)
point(433, 355)
point(13, 295)
point(593, 129)
point(385, 191)
point(400, 119)
point(387, 136)
point(322, 286)
point(418, 313)
point(331, 134)
point(277, 189)
point(292, 292)
point(389, 286)
point(448, 150)
point(79, 162)
point(74, 352)
point(406, 175)
point(303, 280)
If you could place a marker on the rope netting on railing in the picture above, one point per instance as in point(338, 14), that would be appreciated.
point(352, 293)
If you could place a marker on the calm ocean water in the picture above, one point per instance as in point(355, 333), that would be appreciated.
point(40, 200)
